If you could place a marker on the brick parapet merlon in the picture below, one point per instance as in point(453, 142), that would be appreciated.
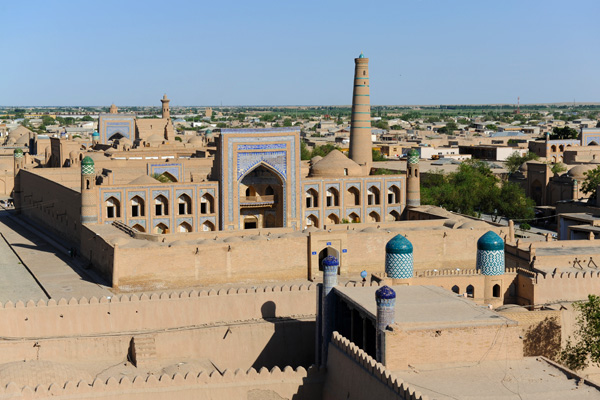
point(124, 298)
point(191, 380)
point(376, 369)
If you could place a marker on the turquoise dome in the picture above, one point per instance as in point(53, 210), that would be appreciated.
point(361, 55)
point(399, 245)
point(95, 134)
point(87, 160)
point(490, 241)
point(18, 151)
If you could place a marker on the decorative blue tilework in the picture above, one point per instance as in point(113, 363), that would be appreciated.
point(490, 262)
point(272, 146)
point(156, 193)
point(172, 168)
point(344, 250)
point(106, 195)
point(328, 243)
point(376, 184)
point(247, 160)
point(353, 184)
point(389, 184)
point(165, 221)
point(189, 220)
point(311, 212)
point(210, 219)
point(353, 210)
point(141, 194)
point(141, 222)
point(335, 212)
point(189, 192)
point(314, 253)
point(399, 266)
point(202, 192)
point(336, 186)
point(122, 128)
point(376, 209)
point(311, 186)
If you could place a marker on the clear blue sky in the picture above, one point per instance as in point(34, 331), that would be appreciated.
point(59, 52)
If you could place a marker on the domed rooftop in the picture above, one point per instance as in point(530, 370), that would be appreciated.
point(95, 134)
point(330, 261)
point(335, 164)
point(578, 171)
point(155, 138)
point(315, 160)
point(385, 292)
point(490, 241)
point(361, 55)
point(18, 151)
point(144, 180)
point(399, 245)
point(195, 140)
point(87, 160)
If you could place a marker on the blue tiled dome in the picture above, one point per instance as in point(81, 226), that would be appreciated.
point(490, 241)
point(95, 134)
point(399, 245)
point(361, 55)
point(385, 292)
point(330, 261)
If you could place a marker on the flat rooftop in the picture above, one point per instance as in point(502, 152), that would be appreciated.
point(425, 307)
point(526, 379)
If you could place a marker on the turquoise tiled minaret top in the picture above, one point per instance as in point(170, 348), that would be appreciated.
point(490, 241)
point(399, 245)
point(87, 165)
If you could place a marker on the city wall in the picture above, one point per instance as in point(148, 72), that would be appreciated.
point(562, 286)
point(288, 383)
point(353, 374)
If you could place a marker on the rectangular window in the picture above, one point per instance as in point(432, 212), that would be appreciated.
point(329, 201)
point(135, 210)
point(110, 212)
point(308, 202)
point(158, 208)
point(203, 208)
point(182, 208)
point(390, 198)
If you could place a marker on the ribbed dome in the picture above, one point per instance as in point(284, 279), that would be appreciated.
point(399, 245)
point(385, 292)
point(490, 241)
point(335, 164)
point(330, 261)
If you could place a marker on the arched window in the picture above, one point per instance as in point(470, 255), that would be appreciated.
point(184, 204)
point(372, 196)
point(470, 291)
point(353, 217)
point(311, 220)
point(456, 289)
point(161, 205)
point(269, 191)
point(312, 198)
point(208, 226)
point(373, 217)
point(139, 228)
point(496, 290)
point(332, 197)
point(553, 148)
point(561, 147)
point(161, 229)
point(184, 227)
point(113, 208)
point(332, 219)
point(206, 204)
point(393, 195)
point(354, 196)
point(393, 216)
point(137, 207)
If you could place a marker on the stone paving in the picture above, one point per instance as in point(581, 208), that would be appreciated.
point(58, 275)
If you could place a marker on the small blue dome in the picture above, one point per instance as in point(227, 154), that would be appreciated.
point(386, 293)
point(399, 245)
point(490, 241)
point(330, 261)
point(361, 55)
point(95, 134)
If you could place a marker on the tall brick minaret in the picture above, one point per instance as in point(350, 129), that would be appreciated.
point(166, 113)
point(360, 132)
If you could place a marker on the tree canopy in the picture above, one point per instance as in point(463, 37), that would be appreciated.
point(474, 189)
point(584, 348)
point(591, 182)
point(564, 133)
point(515, 160)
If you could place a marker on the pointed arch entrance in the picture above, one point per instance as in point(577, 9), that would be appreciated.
point(261, 191)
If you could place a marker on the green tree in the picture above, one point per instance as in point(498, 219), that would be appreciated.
point(221, 125)
point(591, 182)
point(449, 128)
point(564, 133)
point(558, 168)
point(491, 127)
point(515, 160)
point(287, 122)
point(584, 347)
point(161, 178)
point(305, 153)
point(378, 156)
point(48, 120)
point(87, 118)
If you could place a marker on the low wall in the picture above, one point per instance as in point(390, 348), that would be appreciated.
point(564, 286)
point(288, 383)
point(471, 343)
point(353, 374)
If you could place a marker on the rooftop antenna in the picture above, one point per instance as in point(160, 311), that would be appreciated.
point(518, 105)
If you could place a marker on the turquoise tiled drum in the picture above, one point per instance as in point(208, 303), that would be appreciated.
point(413, 156)
point(490, 254)
point(87, 166)
point(399, 258)
point(18, 153)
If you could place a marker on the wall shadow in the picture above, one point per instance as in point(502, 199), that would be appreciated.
point(292, 342)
